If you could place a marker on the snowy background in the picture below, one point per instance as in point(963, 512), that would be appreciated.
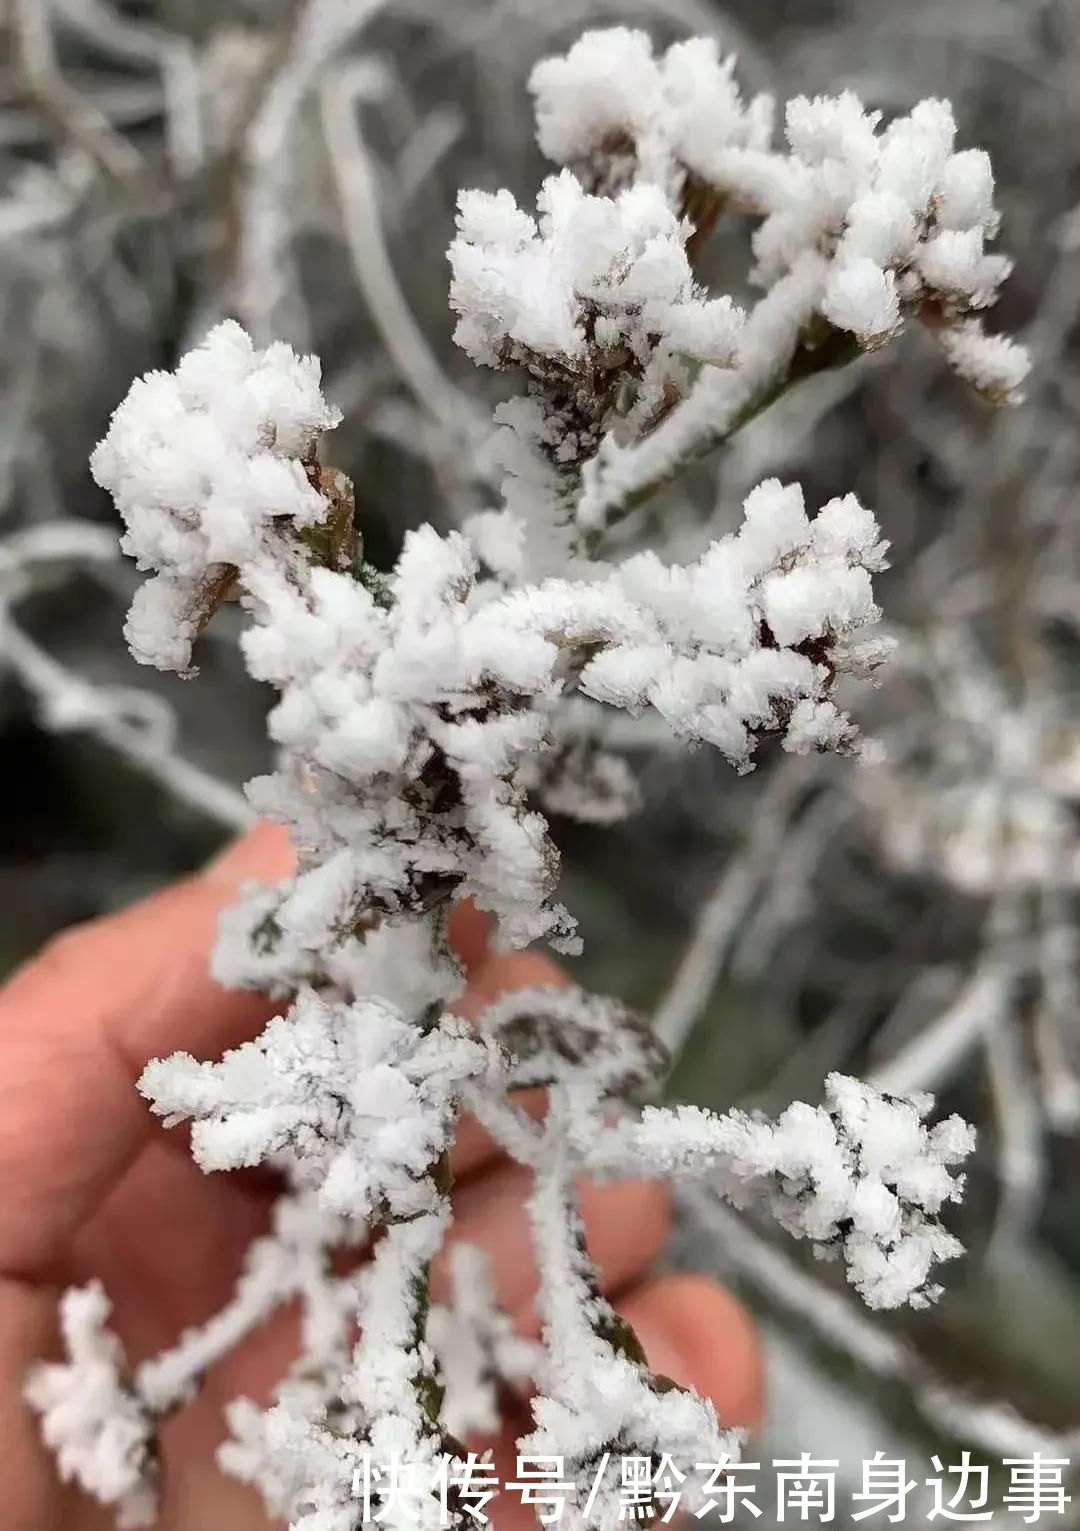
point(918, 921)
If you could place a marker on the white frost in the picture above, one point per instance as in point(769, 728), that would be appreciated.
point(90, 1417)
point(861, 1176)
point(202, 462)
point(422, 715)
point(361, 1098)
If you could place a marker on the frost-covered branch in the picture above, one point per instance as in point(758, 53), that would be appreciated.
point(859, 229)
point(259, 150)
point(422, 689)
point(933, 1053)
point(427, 711)
point(90, 1418)
point(597, 1394)
point(862, 1177)
point(354, 175)
point(173, 55)
point(100, 1414)
point(477, 1350)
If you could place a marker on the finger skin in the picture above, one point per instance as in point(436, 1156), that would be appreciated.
point(702, 1336)
point(469, 931)
point(79, 1023)
point(30, 1499)
point(77, 1026)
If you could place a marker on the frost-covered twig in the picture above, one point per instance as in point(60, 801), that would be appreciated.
point(261, 176)
point(933, 1053)
point(1021, 1156)
point(100, 1414)
point(97, 1428)
point(137, 724)
point(863, 1179)
point(859, 229)
point(477, 1350)
point(1058, 1003)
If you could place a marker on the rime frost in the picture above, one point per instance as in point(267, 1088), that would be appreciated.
point(203, 464)
point(861, 226)
point(413, 702)
point(90, 1417)
point(362, 1099)
point(596, 1393)
point(595, 270)
point(862, 1177)
point(476, 1347)
point(609, 98)
point(429, 712)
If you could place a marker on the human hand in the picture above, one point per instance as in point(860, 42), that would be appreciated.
point(90, 1185)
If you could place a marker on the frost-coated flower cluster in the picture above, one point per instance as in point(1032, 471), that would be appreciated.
point(426, 714)
point(610, 108)
point(608, 274)
point(410, 700)
point(203, 464)
point(901, 215)
point(596, 301)
point(860, 227)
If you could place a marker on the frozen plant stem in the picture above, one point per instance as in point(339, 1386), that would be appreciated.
point(799, 350)
point(427, 713)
